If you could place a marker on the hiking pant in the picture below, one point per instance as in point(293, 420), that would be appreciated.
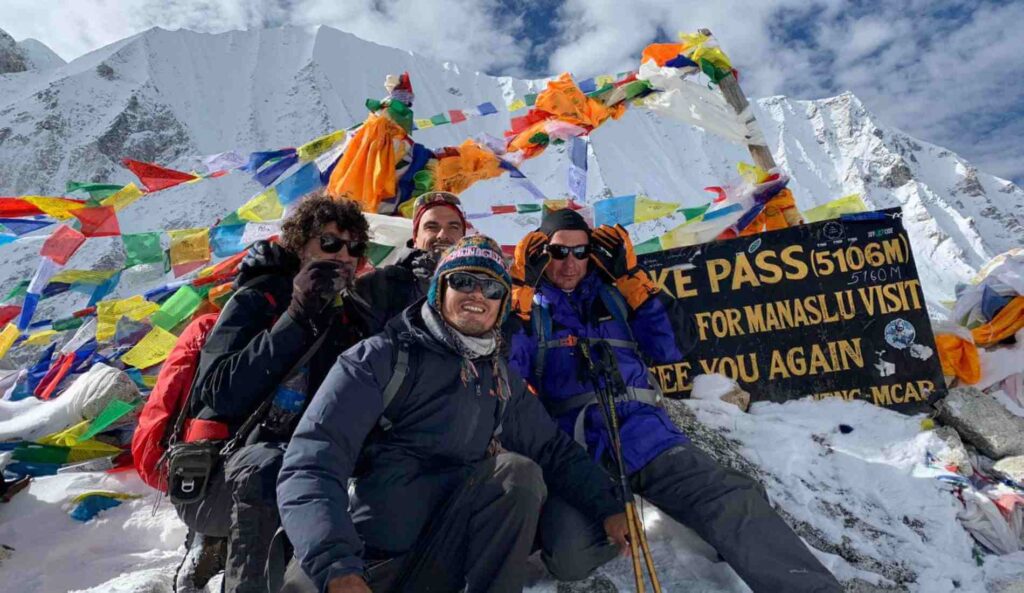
point(241, 504)
point(478, 542)
point(726, 508)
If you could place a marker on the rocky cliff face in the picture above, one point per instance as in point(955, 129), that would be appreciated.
point(169, 97)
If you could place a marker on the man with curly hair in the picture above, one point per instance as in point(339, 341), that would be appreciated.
point(272, 346)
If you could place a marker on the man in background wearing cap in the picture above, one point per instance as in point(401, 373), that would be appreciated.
point(574, 287)
point(438, 222)
point(451, 477)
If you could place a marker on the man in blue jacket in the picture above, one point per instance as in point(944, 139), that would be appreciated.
point(451, 456)
point(573, 286)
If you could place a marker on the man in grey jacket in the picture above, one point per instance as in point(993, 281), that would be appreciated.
point(450, 468)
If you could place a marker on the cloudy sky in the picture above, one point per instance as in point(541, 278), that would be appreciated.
point(950, 72)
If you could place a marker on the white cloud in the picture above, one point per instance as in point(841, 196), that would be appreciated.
point(947, 71)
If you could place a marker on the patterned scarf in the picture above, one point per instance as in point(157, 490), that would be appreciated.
point(471, 349)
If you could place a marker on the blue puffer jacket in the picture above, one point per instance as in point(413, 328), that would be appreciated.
point(662, 337)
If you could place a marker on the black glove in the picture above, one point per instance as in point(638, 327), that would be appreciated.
point(611, 250)
point(531, 258)
point(313, 292)
point(264, 257)
point(423, 265)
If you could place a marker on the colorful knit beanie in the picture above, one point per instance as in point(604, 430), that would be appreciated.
point(476, 254)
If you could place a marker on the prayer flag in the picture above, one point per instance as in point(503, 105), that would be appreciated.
point(123, 198)
point(154, 177)
point(176, 309)
point(190, 245)
point(142, 248)
point(648, 209)
point(298, 184)
point(613, 211)
point(62, 244)
point(423, 124)
point(315, 148)
point(269, 175)
point(456, 116)
point(98, 222)
point(439, 120)
point(530, 99)
point(517, 105)
point(16, 207)
point(486, 108)
point(9, 334)
point(59, 208)
point(22, 226)
point(227, 240)
point(850, 204)
point(135, 308)
point(152, 349)
point(96, 191)
point(262, 207)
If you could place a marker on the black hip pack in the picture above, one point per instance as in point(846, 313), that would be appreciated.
point(189, 468)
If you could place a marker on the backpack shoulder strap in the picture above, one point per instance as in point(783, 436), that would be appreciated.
point(616, 305)
point(542, 327)
point(502, 403)
point(398, 377)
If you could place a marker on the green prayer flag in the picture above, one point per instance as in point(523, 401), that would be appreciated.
point(692, 213)
point(377, 252)
point(114, 411)
point(96, 191)
point(20, 289)
point(36, 453)
point(440, 119)
point(176, 309)
point(68, 323)
point(142, 248)
point(648, 246)
point(531, 99)
point(231, 220)
point(373, 104)
point(525, 208)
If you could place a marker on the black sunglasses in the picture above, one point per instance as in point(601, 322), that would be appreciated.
point(467, 283)
point(563, 251)
point(332, 244)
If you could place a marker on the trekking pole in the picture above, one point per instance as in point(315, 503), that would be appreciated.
point(615, 384)
point(637, 538)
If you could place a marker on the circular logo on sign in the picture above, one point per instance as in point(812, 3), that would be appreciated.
point(754, 246)
point(833, 231)
point(900, 334)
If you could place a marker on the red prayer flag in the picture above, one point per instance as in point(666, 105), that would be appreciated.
point(456, 115)
point(54, 376)
point(98, 222)
point(62, 244)
point(16, 207)
point(154, 177)
point(8, 312)
point(510, 209)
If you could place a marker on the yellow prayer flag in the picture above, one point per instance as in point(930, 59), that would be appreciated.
point(7, 337)
point(648, 209)
point(556, 204)
point(191, 245)
point(151, 349)
point(751, 173)
point(604, 79)
point(845, 205)
point(135, 308)
point(125, 196)
point(80, 450)
point(424, 124)
point(407, 208)
point(94, 277)
point(679, 236)
point(149, 380)
point(43, 337)
point(59, 208)
point(517, 105)
point(315, 148)
point(263, 207)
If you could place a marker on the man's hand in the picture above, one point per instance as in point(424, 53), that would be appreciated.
point(350, 583)
point(531, 259)
point(313, 289)
point(617, 528)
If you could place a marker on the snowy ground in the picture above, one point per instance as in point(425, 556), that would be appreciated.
point(854, 494)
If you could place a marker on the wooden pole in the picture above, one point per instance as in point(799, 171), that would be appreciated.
point(738, 101)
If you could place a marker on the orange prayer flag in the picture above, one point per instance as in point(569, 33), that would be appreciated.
point(366, 172)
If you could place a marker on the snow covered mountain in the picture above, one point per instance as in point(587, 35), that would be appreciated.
point(170, 96)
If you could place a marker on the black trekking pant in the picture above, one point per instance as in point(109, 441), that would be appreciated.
point(726, 508)
point(478, 542)
point(241, 505)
